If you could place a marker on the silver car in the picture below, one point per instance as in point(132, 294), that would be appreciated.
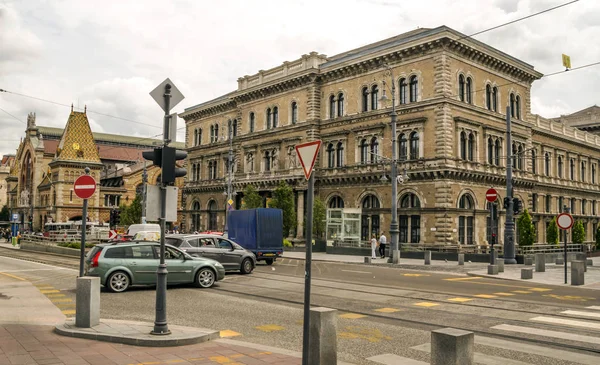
point(231, 255)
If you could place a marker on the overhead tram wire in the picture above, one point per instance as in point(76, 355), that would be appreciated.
point(13, 116)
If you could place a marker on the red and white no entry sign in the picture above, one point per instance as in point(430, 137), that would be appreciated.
point(491, 195)
point(564, 221)
point(84, 186)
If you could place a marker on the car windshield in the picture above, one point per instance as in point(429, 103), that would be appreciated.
point(173, 241)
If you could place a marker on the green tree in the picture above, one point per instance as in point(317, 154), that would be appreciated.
point(578, 232)
point(4, 214)
point(526, 229)
point(132, 213)
point(552, 233)
point(251, 198)
point(319, 217)
point(283, 198)
point(598, 237)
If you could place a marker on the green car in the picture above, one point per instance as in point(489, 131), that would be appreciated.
point(120, 266)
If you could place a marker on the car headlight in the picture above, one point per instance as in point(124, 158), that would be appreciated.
point(218, 264)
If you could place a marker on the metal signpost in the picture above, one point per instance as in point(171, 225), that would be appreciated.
point(564, 222)
point(166, 96)
point(491, 195)
point(84, 187)
point(307, 153)
point(509, 225)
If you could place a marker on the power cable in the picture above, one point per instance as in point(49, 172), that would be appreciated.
point(13, 116)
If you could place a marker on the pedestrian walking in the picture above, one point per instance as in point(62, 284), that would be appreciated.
point(382, 243)
point(373, 246)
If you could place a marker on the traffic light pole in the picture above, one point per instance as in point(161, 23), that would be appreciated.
point(509, 225)
point(160, 322)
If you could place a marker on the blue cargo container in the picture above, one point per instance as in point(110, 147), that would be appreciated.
point(258, 230)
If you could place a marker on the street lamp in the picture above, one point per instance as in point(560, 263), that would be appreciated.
point(229, 170)
point(394, 251)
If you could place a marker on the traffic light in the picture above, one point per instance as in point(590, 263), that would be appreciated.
point(517, 206)
point(506, 202)
point(117, 217)
point(111, 219)
point(155, 156)
point(166, 158)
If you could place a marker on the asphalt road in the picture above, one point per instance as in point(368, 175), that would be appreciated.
point(382, 311)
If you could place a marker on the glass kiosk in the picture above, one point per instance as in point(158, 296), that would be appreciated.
point(343, 227)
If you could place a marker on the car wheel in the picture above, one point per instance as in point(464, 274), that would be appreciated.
point(205, 278)
point(247, 266)
point(269, 261)
point(118, 282)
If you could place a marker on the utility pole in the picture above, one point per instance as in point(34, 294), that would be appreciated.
point(229, 171)
point(144, 182)
point(509, 225)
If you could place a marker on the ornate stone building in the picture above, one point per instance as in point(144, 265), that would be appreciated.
point(452, 93)
point(49, 160)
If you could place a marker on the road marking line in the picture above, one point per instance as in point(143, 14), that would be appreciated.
point(521, 291)
point(68, 311)
point(356, 271)
point(460, 300)
point(582, 314)
point(13, 276)
point(387, 310)
point(351, 316)
point(567, 322)
point(540, 289)
point(426, 304)
point(479, 357)
point(269, 328)
point(541, 332)
point(54, 295)
point(286, 265)
point(416, 275)
point(391, 359)
point(60, 300)
point(485, 296)
point(594, 307)
point(229, 333)
point(49, 291)
point(569, 297)
point(504, 294)
point(463, 279)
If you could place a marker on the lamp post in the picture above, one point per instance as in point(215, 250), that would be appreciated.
point(229, 170)
point(394, 250)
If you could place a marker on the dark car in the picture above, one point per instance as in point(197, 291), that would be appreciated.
point(231, 255)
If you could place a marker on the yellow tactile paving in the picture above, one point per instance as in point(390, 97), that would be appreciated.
point(387, 310)
point(485, 296)
point(540, 289)
point(49, 291)
point(504, 294)
point(521, 291)
point(426, 304)
point(269, 328)
point(463, 279)
point(460, 300)
point(351, 316)
point(229, 333)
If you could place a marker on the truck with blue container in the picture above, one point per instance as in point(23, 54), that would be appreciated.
point(259, 230)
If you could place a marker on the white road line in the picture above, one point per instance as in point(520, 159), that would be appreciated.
point(537, 350)
point(548, 333)
point(391, 359)
point(594, 307)
point(356, 271)
point(582, 314)
point(568, 322)
point(38, 263)
point(479, 357)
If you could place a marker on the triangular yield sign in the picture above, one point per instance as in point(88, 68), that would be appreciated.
point(307, 153)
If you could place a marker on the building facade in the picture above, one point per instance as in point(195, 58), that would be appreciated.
point(452, 94)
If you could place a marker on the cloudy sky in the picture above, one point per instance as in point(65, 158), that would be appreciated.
point(109, 54)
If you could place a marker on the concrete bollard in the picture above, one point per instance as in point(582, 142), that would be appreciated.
point(589, 262)
point(540, 262)
point(461, 259)
point(87, 303)
point(560, 260)
point(427, 255)
point(528, 260)
point(367, 260)
point(322, 336)
point(577, 272)
point(492, 269)
point(500, 263)
point(527, 273)
point(450, 346)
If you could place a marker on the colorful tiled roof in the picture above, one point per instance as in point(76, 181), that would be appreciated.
point(77, 142)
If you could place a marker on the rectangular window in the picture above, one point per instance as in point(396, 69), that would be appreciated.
point(71, 196)
point(583, 204)
point(548, 203)
point(594, 228)
point(534, 198)
point(461, 230)
point(403, 222)
point(593, 207)
point(469, 230)
point(415, 229)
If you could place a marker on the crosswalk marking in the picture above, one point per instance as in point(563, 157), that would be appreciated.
point(49, 291)
point(485, 296)
point(352, 315)
point(540, 289)
point(548, 333)
point(582, 314)
point(460, 300)
point(387, 310)
point(504, 294)
point(269, 328)
point(568, 322)
point(521, 291)
point(426, 304)
point(391, 359)
point(479, 357)
point(229, 333)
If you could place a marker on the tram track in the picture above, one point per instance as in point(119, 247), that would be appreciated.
point(70, 262)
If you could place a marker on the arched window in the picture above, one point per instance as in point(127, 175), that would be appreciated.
point(463, 145)
point(374, 97)
point(547, 164)
point(403, 91)
point(331, 107)
point(364, 151)
point(572, 169)
point(512, 105)
point(212, 215)
point(195, 216)
point(414, 83)
point(267, 159)
point(275, 117)
point(340, 105)
point(340, 154)
point(370, 217)
point(469, 90)
point(330, 156)
point(374, 149)
point(235, 127)
point(518, 105)
point(268, 118)
point(294, 112)
point(414, 145)
point(466, 219)
point(252, 122)
point(410, 220)
point(488, 96)
point(336, 202)
point(365, 99)
point(490, 150)
point(533, 161)
point(470, 146)
point(495, 99)
point(560, 167)
point(402, 147)
point(497, 151)
point(461, 88)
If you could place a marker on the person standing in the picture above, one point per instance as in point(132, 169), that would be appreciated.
point(382, 243)
point(373, 246)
